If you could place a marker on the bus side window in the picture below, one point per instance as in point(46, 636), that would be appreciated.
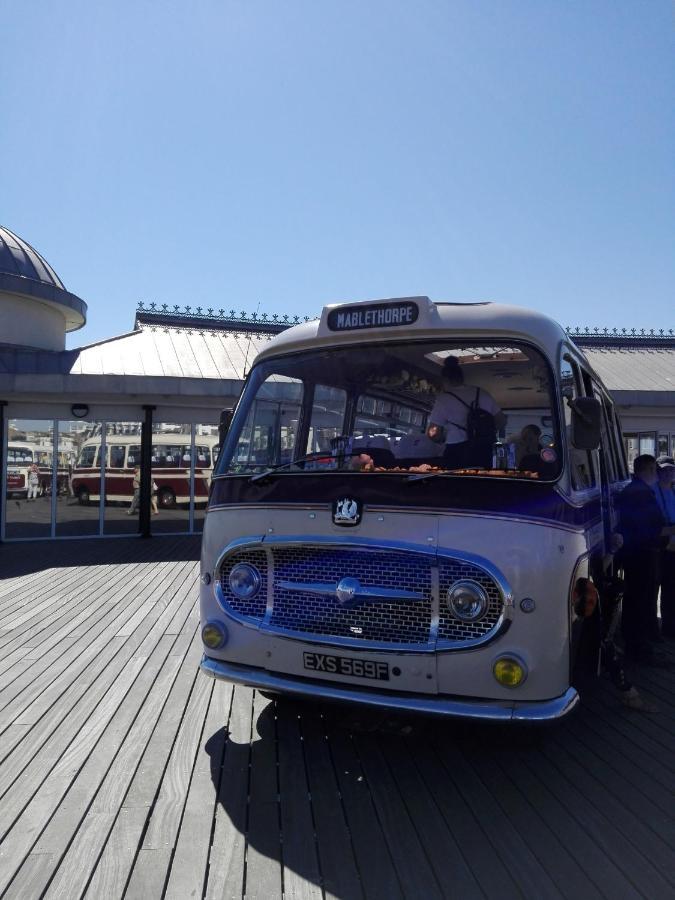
point(117, 456)
point(619, 444)
point(581, 467)
point(133, 457)
point(86, 460)
point(606, 445)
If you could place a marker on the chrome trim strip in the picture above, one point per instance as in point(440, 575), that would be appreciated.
point(433, 644)
point(434, 704)
point(363, 594)
point(413, 510)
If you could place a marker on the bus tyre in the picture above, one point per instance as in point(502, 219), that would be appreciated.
point(83, 496)
point(166, 498)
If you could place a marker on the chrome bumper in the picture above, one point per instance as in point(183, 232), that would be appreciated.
point(434, 704)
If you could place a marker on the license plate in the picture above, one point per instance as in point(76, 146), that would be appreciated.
point(346, 665)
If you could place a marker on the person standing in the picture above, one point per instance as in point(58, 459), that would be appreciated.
point(136, 499)
point(451, 412)
point(640, 525)
point(665, 497)
point(33, 483)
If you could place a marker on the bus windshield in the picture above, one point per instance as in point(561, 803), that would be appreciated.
point(442, 407)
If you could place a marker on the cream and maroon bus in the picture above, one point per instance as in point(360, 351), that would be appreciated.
point(408, 500)
point(170, 463)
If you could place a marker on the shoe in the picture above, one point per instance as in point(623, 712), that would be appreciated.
point(632, 699)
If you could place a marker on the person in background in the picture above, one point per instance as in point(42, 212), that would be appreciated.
point(450, 413)
point(640, 525)
point(527, 444)
point(33, 483)
point(136, 499)
point(665, 497)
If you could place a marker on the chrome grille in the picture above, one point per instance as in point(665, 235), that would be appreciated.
point(453, 629)
point(400, 622)
point(415, 624)
point(255, 607)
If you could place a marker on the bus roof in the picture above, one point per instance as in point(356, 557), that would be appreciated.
point(416, 317)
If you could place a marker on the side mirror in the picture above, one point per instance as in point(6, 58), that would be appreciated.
point(586, 420)
point(224, 425)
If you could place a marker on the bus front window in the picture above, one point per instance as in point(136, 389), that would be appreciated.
point(446, 407)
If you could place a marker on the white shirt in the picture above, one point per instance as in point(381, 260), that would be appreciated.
point(450, 412)
point(417, 446)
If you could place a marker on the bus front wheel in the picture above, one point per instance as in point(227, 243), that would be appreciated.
point(83, 496)
point(166, 498)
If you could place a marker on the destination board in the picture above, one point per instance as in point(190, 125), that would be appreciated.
point(372, 315)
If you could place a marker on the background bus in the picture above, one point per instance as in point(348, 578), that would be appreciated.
point(20, 457)
point(170, 468)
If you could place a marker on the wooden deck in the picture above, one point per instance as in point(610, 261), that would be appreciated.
point(126, 773)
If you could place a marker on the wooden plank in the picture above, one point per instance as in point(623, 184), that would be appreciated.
point(22, 837)
point(336, 855)
point(378, 873)
point(76, 662)
point(230, 755)
point(149, 875)
point(79, 860)
point(168, 809)
point(112, 869)
point(410, 859)
point(263, 839)
point(444, 853)
point(525, 868)
point(631, 814)
point(149, 772)
point(302, 876)
point(494, 877)
point(526, 820)
point(191, 856)
point(33, 874)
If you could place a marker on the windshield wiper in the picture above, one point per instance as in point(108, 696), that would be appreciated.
point(421, 476)
point(314, 457)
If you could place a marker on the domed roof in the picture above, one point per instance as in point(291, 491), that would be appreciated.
point(24, 271)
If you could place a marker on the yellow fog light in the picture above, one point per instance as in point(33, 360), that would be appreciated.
point(509, 671)
point(214, 635)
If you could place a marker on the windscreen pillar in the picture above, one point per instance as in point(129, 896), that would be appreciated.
point(146, 472)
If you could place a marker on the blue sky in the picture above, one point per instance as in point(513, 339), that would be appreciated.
point(291, 153)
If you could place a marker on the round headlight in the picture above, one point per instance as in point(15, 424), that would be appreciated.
point(467, 601)
point(244, 581)
point(214, 635)
point(509, 671)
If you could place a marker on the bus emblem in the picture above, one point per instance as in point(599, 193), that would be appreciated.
point(346, 511)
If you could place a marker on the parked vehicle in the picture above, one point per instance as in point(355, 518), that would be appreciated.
point(21, 455)
point(347, 555)
point(170, 468)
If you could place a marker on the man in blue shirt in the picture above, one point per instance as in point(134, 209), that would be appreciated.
point(665, 497)
point(641, 524)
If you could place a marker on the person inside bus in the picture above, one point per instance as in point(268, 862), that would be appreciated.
point(641, 524)
point(527, 446)
point(416, 447)
point(450, 414)
point(665, 497)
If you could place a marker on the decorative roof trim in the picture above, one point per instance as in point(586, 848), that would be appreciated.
point(211, 318)
point(261, 323)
